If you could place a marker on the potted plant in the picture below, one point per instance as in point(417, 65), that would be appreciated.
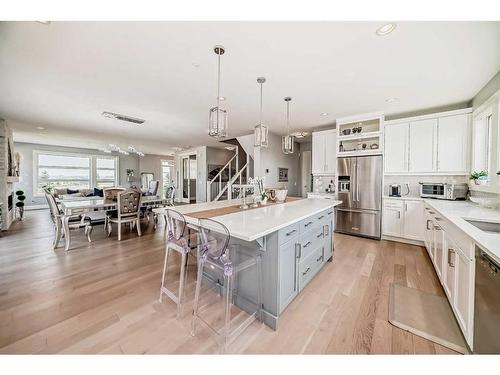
point(480, 178)
point(20, 203)
point(263, 198)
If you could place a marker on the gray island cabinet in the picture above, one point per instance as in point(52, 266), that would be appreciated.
point(295, 240)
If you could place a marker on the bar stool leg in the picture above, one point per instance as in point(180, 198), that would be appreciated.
point(181, 284)
point(228, 283)
point(167, 251)
point(196, 303)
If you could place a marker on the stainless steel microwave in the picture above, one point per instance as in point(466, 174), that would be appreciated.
point(449, 191)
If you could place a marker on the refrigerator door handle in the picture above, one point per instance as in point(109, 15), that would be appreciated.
point(357, 182)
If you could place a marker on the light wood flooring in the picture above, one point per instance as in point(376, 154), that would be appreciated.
point(103, 298)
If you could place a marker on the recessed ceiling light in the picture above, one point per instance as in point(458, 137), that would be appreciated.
point(196, 65)
point(222, 98)
point(324, 113)
point(391, 100)
point(40, 128)
point(386, 29)
point(230, 148)
point(44, 22)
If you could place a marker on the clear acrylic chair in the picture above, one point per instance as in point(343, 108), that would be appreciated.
point(217, 260)
point(179, 239)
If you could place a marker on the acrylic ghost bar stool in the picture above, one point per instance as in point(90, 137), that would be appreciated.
point(179, 239)
point(228, 262)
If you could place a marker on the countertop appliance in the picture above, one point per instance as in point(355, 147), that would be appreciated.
point(394, 190)
point(449, 191)
point(486, 305)
point(360, 190)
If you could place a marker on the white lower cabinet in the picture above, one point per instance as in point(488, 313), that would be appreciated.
point(450, 253)
point(403, 219)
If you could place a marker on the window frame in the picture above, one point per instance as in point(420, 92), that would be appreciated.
point(92, 167)
point(170, 163)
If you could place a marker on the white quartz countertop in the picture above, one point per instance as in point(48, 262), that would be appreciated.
point(458, 211)
point(405, 198)
point(250, 225)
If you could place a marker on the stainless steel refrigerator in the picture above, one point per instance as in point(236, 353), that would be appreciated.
point(360, 190)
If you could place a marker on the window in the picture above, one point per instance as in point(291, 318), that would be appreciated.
point(482, 142)
point(166, 174)
point(65, 170)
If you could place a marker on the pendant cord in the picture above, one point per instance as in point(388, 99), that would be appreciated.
point(261, 104)
point(218, 82)
point(288, 118)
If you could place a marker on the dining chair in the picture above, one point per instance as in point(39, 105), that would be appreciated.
point(218, 260)
point(56, 216)
point(128, 211)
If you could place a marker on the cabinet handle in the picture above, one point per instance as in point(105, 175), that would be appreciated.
point(438, 218)
point(291, 232)
point(298, 251)
point(427, 225)
point(319, 235)
point(406, 207)
point(330, 212)
point(306, 271)
point(450, 252)
point(432, 212)
point(399, 214)
point(321, 217)
point(320, 258)
point(326, 230)
point(307, 224)
point(307, 244)
point(437, 227)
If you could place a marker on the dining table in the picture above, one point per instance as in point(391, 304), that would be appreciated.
point(73, 208)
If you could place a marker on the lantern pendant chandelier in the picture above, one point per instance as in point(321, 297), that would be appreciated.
point(217, 124)
point(287, 140)
point(261, 131)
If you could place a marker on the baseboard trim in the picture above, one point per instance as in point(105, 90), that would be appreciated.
point(403, 240)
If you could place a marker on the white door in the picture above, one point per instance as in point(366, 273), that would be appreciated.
point(414, 220)
point(464, 289)
point(396, 148)
point(318, 153)
point(422, 149)
point(453, 143)
point(330, 153)
point(392, 218)
point(305, 172)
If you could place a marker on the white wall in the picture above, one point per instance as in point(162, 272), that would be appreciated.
point(152, 164)
point(268, 159)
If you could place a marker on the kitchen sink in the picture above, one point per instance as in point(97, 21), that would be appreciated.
point(485, 226)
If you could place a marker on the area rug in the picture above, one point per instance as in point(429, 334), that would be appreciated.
point(426, 315)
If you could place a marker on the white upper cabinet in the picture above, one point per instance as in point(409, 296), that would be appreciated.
point(324, 155)
point(396, 148)
point(422, 146)
point(431, 144)
point(453, 143)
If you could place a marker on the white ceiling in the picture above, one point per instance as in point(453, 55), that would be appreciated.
point(63, 75)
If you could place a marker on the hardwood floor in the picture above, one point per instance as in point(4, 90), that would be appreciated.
point(103, 298)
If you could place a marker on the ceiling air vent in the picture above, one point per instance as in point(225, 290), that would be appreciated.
point(120, 117)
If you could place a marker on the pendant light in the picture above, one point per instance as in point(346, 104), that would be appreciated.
point(217, 124)
point(287, 140)
point(261, 131)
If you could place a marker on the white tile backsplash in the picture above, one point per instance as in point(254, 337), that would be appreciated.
point(320, 183)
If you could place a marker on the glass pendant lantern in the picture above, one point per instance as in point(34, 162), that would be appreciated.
point(261, 131)
point(217, 124)
point(287, 141)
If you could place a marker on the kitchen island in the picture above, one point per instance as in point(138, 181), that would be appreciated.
point(295, 238)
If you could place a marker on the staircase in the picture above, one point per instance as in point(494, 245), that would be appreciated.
point(237, 170)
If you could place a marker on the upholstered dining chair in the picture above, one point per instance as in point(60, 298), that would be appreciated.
point(128, 211)
point(111, 193)
point(153, 187)
point(56, 215)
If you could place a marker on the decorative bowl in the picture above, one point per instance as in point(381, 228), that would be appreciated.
point(281, 194)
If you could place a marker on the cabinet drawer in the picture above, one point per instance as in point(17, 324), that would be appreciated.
point(310, 266)
point(393, 203)
point(288, 233)
point(311, 241)
point(307, 224)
